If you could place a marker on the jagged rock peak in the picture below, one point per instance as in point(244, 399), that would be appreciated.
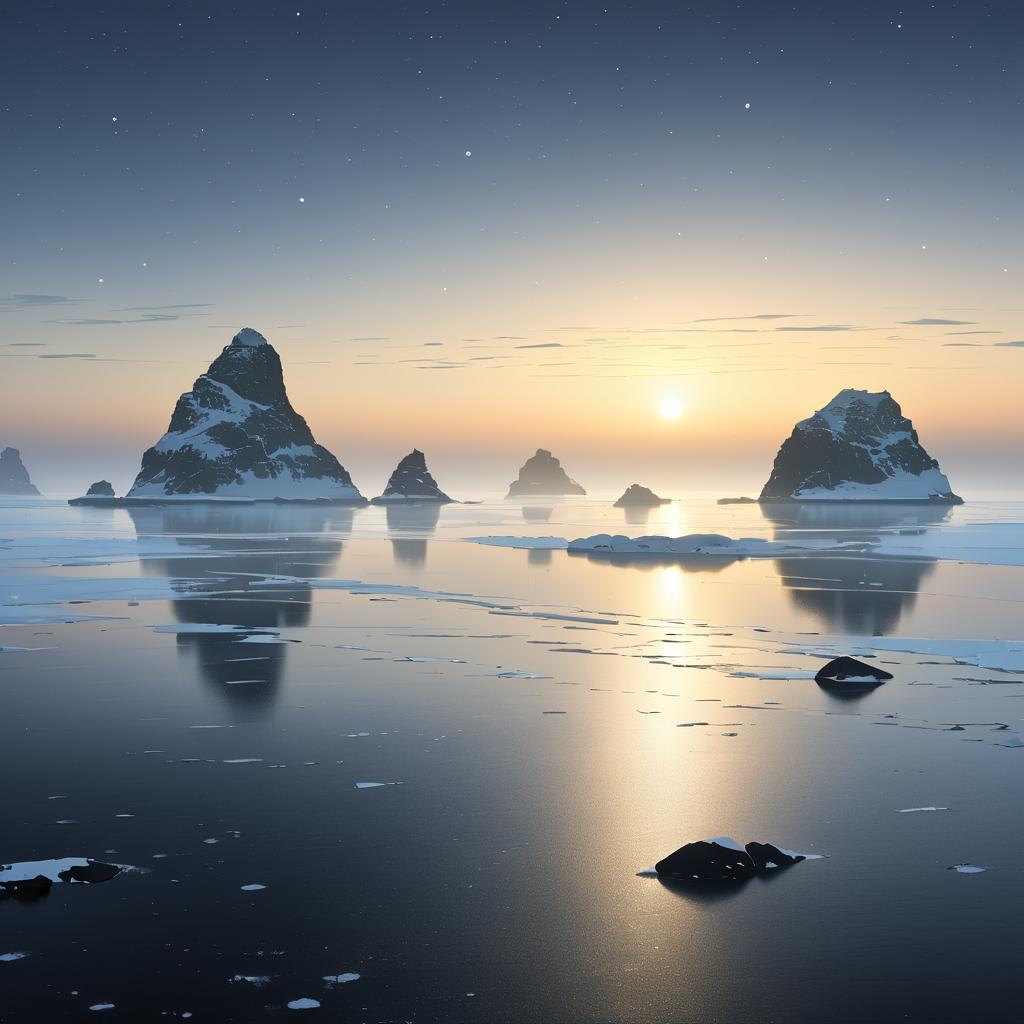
point(637, 496)
point(411, 481)
point(14, 478)
point(542, 473)
point(235, 434)
point(859, 447)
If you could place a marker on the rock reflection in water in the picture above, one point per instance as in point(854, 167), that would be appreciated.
point(856, 595)
point(233, 546)
point(410, 519)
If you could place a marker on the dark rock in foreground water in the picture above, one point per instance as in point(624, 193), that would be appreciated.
point(636, 496)
point(724, 860)
point(101, 489)
point(542, 473)
point(844, 669)
point(14, 478)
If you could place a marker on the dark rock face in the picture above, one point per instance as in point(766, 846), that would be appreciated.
point(860, 447)
point(736, 501)
point(411, 481)
point(542, 473)
point(640, 497)
point(26, 888)
point(723, 860)
point(93, 872)
point(766, 856)
point(709, 861)
point(14, 478)
point(235, 434)
point(840, 669)
point(100, 489)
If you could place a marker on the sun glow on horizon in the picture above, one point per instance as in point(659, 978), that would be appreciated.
point(670, 407)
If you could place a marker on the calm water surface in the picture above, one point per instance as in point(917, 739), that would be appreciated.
point(529, 705)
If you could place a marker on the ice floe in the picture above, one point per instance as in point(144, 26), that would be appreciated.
point(304, 1004)
point(341, 979)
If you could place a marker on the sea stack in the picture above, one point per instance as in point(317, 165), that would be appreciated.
point(14, 478)
point(859, 448)
point(636, 496)
point(411, 481)
point(236, 435)
point(542, 473)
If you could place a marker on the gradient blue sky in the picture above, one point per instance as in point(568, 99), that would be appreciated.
point(174, 171)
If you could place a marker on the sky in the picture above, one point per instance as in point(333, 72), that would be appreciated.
point(479, 228)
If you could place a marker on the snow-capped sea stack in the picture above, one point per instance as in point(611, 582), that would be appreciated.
point(542, 473)
point(236, 435)
point(411, 481)
point(860, 447)
point(14, 478)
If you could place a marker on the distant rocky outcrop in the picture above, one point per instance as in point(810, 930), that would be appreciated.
point(236, 435)
point(860, 447)
point(100, 489)
point(542, 473)
point(736, 501)
point(14, 478)
point(411, 481)
point(636, 496)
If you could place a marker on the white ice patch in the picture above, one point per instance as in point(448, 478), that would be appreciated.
point(916, 810)
point(97, 1007)
point(968, 869)
point(252, 979)
point(7, 958)
point(527, 543)
point(22, 871)
point(304, 1004)
point(341, 979)
point(728, 842)
point(374, 785)
point(252, 887)
point(691, 544)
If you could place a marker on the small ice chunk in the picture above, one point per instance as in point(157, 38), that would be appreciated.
point(915, 810)
point(101, 1006)
point(304, 1004)
point(252, 887)
point(341, 979)
point(253, 979)
point(966, 869)
point(6, 958)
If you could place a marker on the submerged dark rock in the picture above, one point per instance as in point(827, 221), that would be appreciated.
point(860, 447)
point(235, 434)
point(411, 481)
point(637, 496)
point(542, 473)
point(100, 489)
point(844, 669)
point(14, 478)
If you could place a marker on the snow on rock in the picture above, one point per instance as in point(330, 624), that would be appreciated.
point(850, 670)
point(236, 435)
point(411, 481)
point(860, 447)
point(542, 473)
point(31, 878)
point(636, 496)
point(14, 478)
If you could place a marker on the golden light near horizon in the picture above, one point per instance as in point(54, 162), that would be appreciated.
point(670, 407)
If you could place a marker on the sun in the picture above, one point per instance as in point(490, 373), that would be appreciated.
point(670, 407)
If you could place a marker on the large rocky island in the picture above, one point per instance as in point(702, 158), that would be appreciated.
point(859, 448)
point(542, 473)
point(14, 478)
point(235, 435)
